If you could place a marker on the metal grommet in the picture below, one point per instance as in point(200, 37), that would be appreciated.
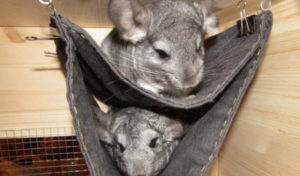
point(262, 5)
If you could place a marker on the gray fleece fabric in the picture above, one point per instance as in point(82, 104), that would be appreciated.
point(230, 65)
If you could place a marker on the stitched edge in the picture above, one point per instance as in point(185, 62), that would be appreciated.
point(76, 119)
point(225, 124)
point(229, 112)
point(72, 97)
point(220, 85)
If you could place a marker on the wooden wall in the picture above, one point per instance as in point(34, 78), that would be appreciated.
point(264, 139)
point(265, 136)
point(86, 13)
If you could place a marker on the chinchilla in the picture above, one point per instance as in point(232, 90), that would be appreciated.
point(138, 140)
point(159, 46)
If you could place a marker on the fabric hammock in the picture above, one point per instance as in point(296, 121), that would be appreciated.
point(214, 106)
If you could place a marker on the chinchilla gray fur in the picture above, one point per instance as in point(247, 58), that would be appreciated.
point(159, 46)
point(138, 140)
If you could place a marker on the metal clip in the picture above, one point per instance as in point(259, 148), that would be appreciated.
point(33, 38)
point(241, 5)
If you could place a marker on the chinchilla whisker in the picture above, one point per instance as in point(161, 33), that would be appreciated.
point(120, 64)
point(138, 65)
point(113, 81)
point(158, 79)
point(144, 74)
point(151, 72)
point(104, 101)
point(142, 70)
point(128, 90)
point(131, 67)
point(131, 61)
point(125, 58)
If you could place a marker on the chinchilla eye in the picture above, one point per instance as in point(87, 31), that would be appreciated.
point(153, 143)
point(163, 55)
point(121, 148)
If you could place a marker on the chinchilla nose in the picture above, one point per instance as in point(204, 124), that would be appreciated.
point(190, 78)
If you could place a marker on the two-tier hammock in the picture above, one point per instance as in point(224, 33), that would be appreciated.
point(90, 72)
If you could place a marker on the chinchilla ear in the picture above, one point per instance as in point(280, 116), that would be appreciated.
point(210, 21)
point(130, 18)
point(174, 129)
point(102, 122)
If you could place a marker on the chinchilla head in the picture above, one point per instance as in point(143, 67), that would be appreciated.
point(159, 46)
point(139, 141)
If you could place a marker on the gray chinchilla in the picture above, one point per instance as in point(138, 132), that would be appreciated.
point(159, 46)
point(139, 141)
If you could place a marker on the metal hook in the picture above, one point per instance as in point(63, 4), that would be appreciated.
point(33, 38)
point(262, 5)
point(50, 53)
point(48, 3)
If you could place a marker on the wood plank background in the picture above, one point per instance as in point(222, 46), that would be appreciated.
point(265, 137)
point(88, 13)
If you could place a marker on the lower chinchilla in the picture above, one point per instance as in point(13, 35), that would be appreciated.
point(138, 140)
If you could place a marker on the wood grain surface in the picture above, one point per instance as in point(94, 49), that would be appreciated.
point(264, 139)
point(32, 84)
point(30, 13)
point(87, 13)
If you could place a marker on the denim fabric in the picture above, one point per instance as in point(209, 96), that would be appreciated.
point(230, 66)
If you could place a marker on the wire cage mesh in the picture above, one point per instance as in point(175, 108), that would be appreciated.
point(41, 151)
